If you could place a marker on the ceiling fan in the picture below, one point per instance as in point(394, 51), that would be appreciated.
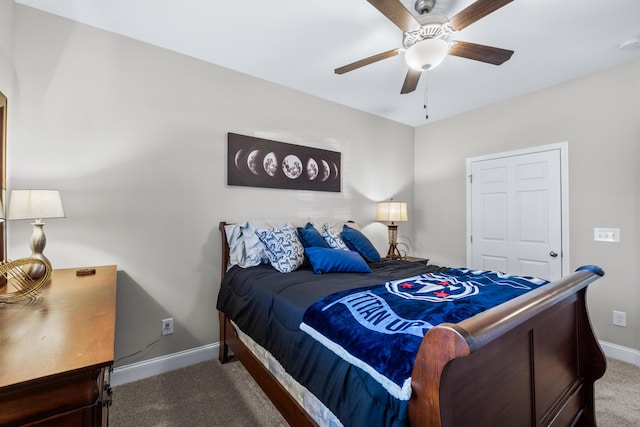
point(425, 40)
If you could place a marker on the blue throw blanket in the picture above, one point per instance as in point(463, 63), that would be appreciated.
point(380, 328)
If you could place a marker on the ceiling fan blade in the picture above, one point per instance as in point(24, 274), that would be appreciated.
point(396, 13)
point(410, 81)
point(480, 52)
point(475, 12)
point(367, 61)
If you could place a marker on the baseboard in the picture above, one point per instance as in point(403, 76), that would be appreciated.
point(619, 352)
point(159, 365)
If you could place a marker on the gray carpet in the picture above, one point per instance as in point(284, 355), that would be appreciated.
point(211, 394)
point(617, 396)
point(205, 394)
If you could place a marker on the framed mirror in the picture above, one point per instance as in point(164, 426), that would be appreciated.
point(3, 174)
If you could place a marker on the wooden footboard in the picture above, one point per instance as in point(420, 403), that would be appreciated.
point(531, 362)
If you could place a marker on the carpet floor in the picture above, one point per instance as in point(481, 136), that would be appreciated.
point(205, 394)
point(617, 403)
point(211, 394)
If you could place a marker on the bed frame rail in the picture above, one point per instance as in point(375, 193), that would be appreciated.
point(279, 396)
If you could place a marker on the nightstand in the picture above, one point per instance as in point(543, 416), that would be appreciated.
point(410, 259)
point(416, 259)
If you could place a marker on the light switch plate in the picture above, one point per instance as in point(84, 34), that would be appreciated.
point(606, 234)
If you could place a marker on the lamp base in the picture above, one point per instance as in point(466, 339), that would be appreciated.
point(393, 253)
point(37, 242)
point(36, 271)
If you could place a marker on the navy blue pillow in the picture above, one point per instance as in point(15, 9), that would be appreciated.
point(356, 241)
point(327, 260)
point(310, 237)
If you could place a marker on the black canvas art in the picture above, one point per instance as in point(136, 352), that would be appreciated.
point(257, 162)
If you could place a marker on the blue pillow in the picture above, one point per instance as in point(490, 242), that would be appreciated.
point(310, 237)
point(356, 241)
point(326, 260)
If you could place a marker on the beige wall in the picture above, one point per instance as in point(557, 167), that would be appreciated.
point(134, 137)
point(599, 118)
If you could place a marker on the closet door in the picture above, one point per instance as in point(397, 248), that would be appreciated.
point(516, 214)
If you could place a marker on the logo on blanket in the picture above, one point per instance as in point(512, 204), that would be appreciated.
point(433, 288)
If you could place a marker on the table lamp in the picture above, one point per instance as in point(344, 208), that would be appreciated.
point(392, 211)
point(36, 205)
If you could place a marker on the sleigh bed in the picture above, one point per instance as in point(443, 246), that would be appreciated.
point(530, 361)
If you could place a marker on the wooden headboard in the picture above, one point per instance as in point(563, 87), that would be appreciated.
point(224, 259)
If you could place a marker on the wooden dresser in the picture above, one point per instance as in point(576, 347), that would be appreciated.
point(56, 352)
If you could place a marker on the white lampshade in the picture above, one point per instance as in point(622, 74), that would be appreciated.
point(392, 211)
point(426, 54)
point(35, 204)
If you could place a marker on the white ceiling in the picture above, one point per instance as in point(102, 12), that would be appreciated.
point(298, 44)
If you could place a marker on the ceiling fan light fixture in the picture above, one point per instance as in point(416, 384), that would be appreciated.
point(426, 54)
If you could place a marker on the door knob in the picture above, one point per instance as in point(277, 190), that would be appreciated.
point(553, 254)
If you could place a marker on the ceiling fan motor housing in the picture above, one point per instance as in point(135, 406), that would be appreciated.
point(424, 6)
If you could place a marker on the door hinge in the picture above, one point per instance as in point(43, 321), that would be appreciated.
point(470, 239)
point(471, 179)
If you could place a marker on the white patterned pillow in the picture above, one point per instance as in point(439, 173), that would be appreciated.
point(332, 237)
point(284, 249)
point(235, 242)
point(254, 251)
point(245, 249)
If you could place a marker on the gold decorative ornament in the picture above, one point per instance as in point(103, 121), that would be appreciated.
point(15, 276)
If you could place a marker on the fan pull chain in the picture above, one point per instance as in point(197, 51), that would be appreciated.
point(426, 110)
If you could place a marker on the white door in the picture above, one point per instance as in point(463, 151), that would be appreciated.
point(516, 213)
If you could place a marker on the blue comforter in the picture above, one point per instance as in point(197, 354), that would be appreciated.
point(379, 328)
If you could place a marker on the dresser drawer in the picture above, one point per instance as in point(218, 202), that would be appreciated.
point(55, 397)
point(81, 417)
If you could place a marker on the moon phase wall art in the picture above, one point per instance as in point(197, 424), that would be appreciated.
point(257, 162)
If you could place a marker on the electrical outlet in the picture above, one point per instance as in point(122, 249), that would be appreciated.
point(167, 326)
point(620, 318)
